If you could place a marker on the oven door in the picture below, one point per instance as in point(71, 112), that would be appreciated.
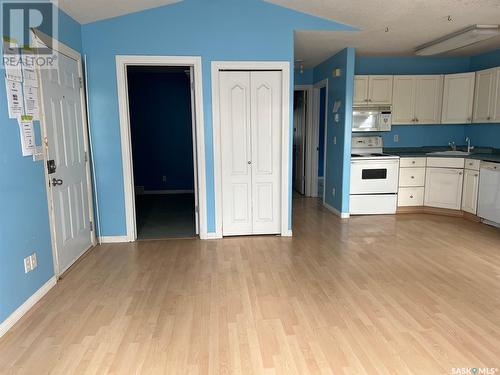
point(374, 176)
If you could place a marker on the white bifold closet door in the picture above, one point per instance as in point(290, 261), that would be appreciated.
point(250, 115)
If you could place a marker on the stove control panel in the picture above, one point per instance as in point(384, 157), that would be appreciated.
point(367, 142)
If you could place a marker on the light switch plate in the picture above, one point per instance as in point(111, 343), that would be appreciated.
point(27, 264)
point(34, 261)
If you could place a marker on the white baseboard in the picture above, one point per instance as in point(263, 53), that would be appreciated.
point(160, 192)
point(210, 236)
point(113, 239)
point(287, 233)
point(342, 215)
point(26, 306)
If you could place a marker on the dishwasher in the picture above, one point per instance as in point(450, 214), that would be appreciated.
point(489, 193)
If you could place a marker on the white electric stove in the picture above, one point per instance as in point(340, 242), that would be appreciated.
point(374, 178)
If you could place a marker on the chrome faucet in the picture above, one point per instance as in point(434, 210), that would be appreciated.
point(453, 146)
point(469, 147)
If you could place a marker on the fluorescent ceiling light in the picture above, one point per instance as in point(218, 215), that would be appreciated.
point(470, 35)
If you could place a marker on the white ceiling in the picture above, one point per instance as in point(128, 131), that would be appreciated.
point(410, 22)
point(85, 11)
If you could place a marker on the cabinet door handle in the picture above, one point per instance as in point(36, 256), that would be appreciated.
point(411, 196)
point(413, 162)
point(488, 118)
point(459, 173)
point(412, 177)
point(476, 175)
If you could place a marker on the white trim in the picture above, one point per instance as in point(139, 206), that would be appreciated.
point(311, 143)
point(26, 306)
point(287, 233)
point(211, 236)
point(316, 106)
point(128, 177)
point(342, 215)
point(161, 192)
point(284, 66)
point(75, 55)
point(113, 239)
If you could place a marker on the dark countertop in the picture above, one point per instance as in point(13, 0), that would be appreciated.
point(482, 153)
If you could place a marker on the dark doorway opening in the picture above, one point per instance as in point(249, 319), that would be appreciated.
point(161, 127)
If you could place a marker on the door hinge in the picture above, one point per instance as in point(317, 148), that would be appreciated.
point(86, 157)
point(91, 226)
point(80, 80)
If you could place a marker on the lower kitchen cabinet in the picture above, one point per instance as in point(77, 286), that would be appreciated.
point(411, 196)
point(443, 188)
point(470, 191)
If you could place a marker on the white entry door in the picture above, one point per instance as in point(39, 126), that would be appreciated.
point(66, 146)
point(250, 115)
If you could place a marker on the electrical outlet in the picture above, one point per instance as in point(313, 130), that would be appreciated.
point(333, 191)
point(27, 264)
point(164, 178)
point(34, 261)
point(396, 138)
point(334, 140)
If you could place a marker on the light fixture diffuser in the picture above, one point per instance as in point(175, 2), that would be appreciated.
point(462, 38)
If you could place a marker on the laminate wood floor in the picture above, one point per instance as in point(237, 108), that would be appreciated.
point(415, 294)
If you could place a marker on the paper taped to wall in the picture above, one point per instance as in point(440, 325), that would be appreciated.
point(31, 101)
point(27, 135)
point(14, 98)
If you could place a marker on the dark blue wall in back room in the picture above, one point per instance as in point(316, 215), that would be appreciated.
point(160, 120)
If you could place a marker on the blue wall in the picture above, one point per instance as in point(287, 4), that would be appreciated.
point(24, 224)
point(485, 61)
point(215, 30)
point(411, 65)
point(338, 156)
point(485, 135)
point(161, 128)
point(304, 78)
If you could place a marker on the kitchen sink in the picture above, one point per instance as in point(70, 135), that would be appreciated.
point(449, 153)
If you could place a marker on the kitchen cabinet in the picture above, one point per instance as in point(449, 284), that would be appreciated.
point(470, 191)
point(443, 188)
point(417, 99)
point(375, 89)
point(471, 186)
point(486, 108)
point(458, 98)
point(411, 182)
point(360, 90)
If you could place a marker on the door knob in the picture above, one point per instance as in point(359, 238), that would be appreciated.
point(57, 181)
point(249, 162)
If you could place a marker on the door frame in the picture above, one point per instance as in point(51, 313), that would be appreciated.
point(316, 105)
point(122, 61)
point(310, 145)
point(75, 55)
point(286, 187)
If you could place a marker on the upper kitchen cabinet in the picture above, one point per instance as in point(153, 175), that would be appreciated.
point(458, 98)
point(486, 108)
point(376, 90)
point(417, 99)
point(360, 90)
